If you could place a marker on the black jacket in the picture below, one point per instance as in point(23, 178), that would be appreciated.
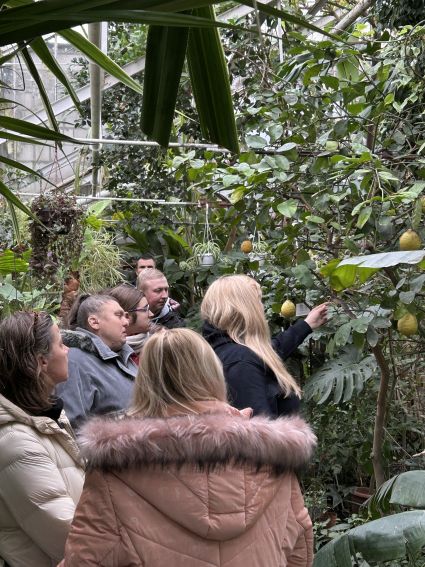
point(250, 382)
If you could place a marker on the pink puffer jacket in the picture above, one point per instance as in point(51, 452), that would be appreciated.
point(208, 490)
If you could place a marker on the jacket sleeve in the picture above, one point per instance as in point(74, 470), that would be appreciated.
point(78, 393)
point(95, 537)
point(286, 342)
point(247, 386)
point(34, 491)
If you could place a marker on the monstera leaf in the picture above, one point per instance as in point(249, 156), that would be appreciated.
point(344, 376)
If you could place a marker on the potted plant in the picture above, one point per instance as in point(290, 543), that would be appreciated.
point(207, 253)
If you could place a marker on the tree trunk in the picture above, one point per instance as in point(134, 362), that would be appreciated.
point(381, 406)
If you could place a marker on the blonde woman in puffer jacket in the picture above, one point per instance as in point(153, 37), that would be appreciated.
point(185, 480)
point(41, 476)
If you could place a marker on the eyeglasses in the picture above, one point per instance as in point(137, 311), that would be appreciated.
point(141, 309)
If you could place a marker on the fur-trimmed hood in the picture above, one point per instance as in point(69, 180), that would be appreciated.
point(205, 440)
point(214, 474)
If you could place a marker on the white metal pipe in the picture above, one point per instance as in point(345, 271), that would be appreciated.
point(211, 147)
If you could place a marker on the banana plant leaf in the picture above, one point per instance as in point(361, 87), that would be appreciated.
point(404, 489)
point(391, 538)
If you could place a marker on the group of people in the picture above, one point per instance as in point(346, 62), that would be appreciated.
point(188, 446)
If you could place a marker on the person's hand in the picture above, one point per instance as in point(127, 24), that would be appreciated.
point(175, 305)
point(317, 316)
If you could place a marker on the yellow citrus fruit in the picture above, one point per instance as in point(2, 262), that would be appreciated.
point(407, 325)
point(288, 309)
point(410, 240)
point(246, 246)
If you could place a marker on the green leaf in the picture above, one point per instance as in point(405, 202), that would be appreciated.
point(353, 372)
point(33, 130)
point(10, 263)
point(288, 208)
point(392, 538)
point(210, 83)
point(32, 68)
point(39, 47)
point(256, 142)
point(97, 56)
point(7, 291)
point(9, 196)
point(22, 167)
point(165, 55)
point(364, 217)
point(385, 259)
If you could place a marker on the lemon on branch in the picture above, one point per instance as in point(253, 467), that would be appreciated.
point(407, 325)
point(410, 240)
point(288, 309)
point(246, 246)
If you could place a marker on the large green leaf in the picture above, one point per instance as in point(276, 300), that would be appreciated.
point(33, 130)
point(384, 259)
point(345, 375)
point(9, 196)
point(388, 539)
point(210, 83)
point(405, 489)
point(32, 68)
point(22, 167)
point(96, 55)
point(165, 55)
point(39, 47)
point(11, 263)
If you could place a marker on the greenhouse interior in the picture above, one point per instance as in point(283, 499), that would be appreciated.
point(212, 227)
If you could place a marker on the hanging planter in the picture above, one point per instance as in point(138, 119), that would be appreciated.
point(260, 250)
point(207, 252)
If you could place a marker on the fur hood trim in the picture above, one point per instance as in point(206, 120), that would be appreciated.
point(205, 441)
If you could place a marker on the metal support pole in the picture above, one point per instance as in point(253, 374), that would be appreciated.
point(97, 77)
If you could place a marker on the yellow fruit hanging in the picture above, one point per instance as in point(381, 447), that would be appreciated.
point(407, 325)
point(410, 240)
point(246, 246)
point(288, 309)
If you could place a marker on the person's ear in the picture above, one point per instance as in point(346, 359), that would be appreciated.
point(93, 322)
point(43, 361)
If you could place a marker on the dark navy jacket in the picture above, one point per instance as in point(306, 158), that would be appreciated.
point(250, 382)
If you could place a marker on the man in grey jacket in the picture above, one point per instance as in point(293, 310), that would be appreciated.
point(101, 369)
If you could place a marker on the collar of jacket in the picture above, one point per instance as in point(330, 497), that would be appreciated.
point(215, 337)
point(89, 342)
point(205, 440)
point(163, 313)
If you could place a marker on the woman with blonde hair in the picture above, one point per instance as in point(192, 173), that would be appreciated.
point(236, 328)
point(185, 479)
point(41, 473)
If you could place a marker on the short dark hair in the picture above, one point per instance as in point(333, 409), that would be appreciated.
point(146, 256)
point(24, 336)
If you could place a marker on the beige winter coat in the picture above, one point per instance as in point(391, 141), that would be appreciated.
point(41, 479)
point(203, 490)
